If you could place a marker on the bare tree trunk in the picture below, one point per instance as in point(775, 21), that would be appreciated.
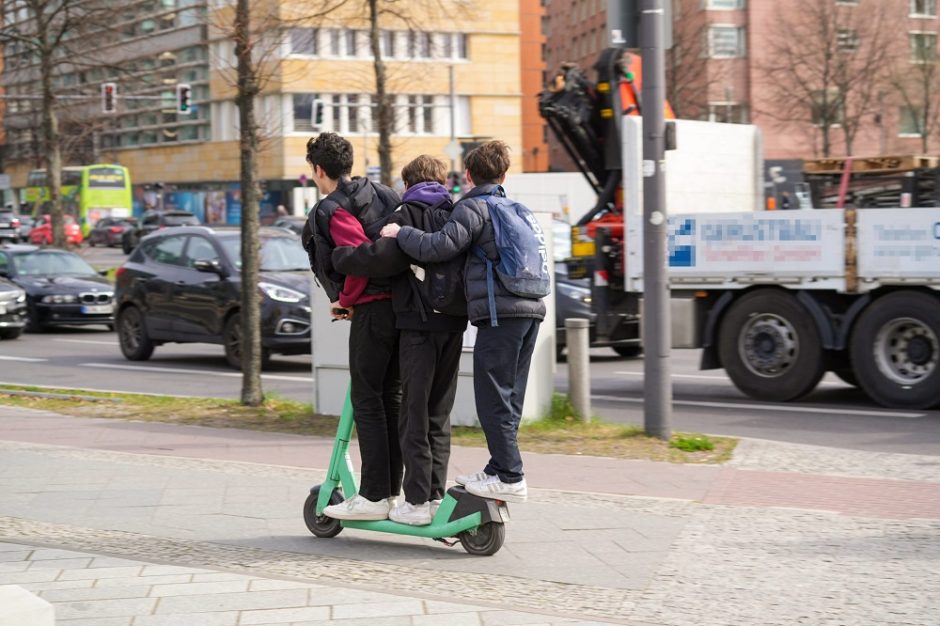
point(53, 155)
point(252, 393)
point(385, 113)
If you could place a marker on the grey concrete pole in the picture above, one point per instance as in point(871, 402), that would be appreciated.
point(656, 323)
point(579, 366)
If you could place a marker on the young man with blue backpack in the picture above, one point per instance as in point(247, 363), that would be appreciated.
point(431, 315)
point(505, 279)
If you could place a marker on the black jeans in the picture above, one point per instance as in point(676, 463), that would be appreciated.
point(376, 397)
point(429, 364)
point(501, 359)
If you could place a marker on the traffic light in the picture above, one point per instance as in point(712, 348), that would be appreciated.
point(453, 183)
point(108, 97)
point(316, 114)
point(184, 104)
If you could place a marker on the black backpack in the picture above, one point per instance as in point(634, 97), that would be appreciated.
point(440, 286)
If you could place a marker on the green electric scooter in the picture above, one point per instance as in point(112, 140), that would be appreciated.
point(478, 523)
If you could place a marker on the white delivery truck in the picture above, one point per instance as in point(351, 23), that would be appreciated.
point(777, 298)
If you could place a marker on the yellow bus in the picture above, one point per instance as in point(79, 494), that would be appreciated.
point(89, 192)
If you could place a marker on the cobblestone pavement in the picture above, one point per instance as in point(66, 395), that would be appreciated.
point(129, 538)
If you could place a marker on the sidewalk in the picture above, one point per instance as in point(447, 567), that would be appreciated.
point(132, 523)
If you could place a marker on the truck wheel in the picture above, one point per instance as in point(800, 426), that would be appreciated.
point(770, 346)
point(896, 350)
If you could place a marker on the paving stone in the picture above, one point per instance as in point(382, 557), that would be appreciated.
point(234, 601)
point(378, 609)
point(149, 580)
point(453, 619)
point(101, 572)
point(61, 563)
point(267, 584)
point(96, 593)
point(276, 616)
point(95, 621)
point(104, 608)
point(223, 618)
point(196, 588)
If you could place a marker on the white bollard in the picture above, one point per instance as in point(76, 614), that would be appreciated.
point(19, 607)
point(577, 340)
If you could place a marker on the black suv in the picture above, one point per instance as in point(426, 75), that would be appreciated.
point(184, 285)
point(152, 221)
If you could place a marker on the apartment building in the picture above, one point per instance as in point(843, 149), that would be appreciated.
point(534, 129)
point(313, 65)
point(732, 60)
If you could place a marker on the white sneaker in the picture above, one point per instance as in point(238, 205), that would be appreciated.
point(435, 505)
point(463, 479)
point(492, 487)
point(392, 502)
point(411, 514)
point(358, 508)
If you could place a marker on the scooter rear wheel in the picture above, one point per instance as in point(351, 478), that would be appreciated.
point(321, 525)
point(484, 540)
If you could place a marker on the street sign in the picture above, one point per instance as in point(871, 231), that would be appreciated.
point(453, 150)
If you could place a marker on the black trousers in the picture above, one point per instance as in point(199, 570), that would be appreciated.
point(376, 397)
point(501, 358)
point(429, 365)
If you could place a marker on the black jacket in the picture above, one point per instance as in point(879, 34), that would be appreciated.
point(470, 226)
point(384, 258)
point(368, 202)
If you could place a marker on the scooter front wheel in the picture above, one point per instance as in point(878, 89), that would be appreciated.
point(484, 540)
point(321, 525)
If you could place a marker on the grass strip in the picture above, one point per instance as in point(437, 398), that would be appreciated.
point(560, 432)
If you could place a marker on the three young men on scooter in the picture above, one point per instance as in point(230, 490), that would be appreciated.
point(430, 349)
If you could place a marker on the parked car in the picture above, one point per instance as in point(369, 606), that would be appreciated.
point(12, 308)
point(152, 221)
point(293, 223)
point(9, 225)
point(27, 223)
point(41, 234)
point(61, 288)
point(109, 230)
point(183, 285)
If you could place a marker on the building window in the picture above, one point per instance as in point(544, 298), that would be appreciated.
point(462, 46)
point(826, 107)
point(428, 114)
point(303, 112)
point(847, 40)
point(388, 43)
point(303, 41)
point(727, 112)
point(352, 42)
point(424, 45)
point(352, 111)
point(725, 42)
point(334, 42)
point(923, 8)
point(447, 45)
point(923, 47)
point(849, 2)
point(724, 5)
point(910, 124)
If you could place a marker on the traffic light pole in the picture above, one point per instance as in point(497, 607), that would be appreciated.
point(656, 318)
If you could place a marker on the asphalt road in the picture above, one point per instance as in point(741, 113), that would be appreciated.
point(834, 415)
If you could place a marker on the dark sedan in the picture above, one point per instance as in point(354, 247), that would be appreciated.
point(61, 288)
point(184, 285)
point(12, 309)
point(293, 223)
point(108, 231)
point(151, 222)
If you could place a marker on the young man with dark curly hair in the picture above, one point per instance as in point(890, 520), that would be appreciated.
point(352, 213)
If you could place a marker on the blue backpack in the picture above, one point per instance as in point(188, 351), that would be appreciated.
point(522, 266)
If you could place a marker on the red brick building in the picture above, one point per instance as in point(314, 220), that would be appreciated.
point(532, 40)
point(766, 63)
